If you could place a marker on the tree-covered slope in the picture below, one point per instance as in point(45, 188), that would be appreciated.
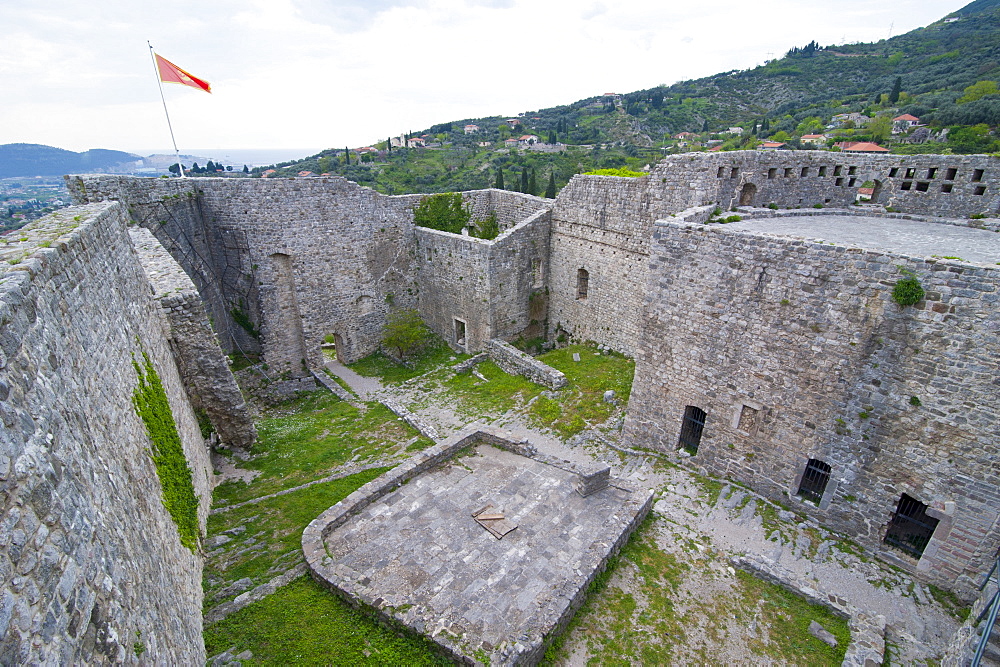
point(39, 160)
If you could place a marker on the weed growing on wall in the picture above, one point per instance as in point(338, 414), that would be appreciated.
point(151, 405)
point(618, 171)
point(907, 290)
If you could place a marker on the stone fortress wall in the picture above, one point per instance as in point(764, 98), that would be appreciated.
point(92, 565)
point(303, 258)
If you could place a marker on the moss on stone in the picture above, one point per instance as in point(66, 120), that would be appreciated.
point(172, 468)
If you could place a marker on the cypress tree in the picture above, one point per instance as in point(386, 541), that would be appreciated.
point(246, 169)
point(388, 144)
point(550, 191)
point(499, 182)
point(532, 184)
point(347, 156)
point(524, 181)
point(896, 86)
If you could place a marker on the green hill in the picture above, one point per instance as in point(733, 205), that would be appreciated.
point(39, 160)
point(945, 74)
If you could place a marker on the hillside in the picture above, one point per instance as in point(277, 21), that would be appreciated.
point(39, 160)
point(925, 73)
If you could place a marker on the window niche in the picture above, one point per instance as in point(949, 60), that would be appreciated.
point(814, 481)
point(911, 528)
point(691, 429)
point(582, 283)
point(747, 417)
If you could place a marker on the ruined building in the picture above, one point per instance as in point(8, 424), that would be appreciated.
point(777, 361)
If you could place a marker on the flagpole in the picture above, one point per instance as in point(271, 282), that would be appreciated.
point(156, 69)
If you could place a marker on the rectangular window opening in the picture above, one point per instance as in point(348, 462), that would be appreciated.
point(722, 172)
point(910, 172)
point(734, 172)
point(691, 429)
point(950, 174)
point(814, 481)
point(910, 529)
point(977, 176)
point(931, 172)
point(979, 191)
point(822, 171)
point(582, 283)
point(922, 186)
point(839, 181)
point(852, 171)
point(893, 172)
point(837, 170)
point(788, 172)
point(772, 172)
point(946, 187)
point(804, 172)
point(906, 185)
point(851, 182)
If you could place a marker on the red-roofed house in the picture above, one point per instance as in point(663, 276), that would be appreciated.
point(683, 135)
point(860, 147)
point(268, 173)
point(415, 142)
point(513, 122)
point(813, 139)
point(774, 146)
point(471, 129)
point(527, 140)
point(903, 123)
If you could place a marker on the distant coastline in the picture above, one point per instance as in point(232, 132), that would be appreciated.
point(252, 157)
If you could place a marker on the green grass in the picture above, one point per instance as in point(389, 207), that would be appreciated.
point(581, 404)
point(310, 437)
point(271, 541)
point(304, 624)
point(499, 394)
point(389, 372)
point(787, 617)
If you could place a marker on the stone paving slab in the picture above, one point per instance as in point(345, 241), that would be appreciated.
point(418, 554)
point(908, 237)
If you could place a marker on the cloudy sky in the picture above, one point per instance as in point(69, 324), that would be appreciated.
point(329, 73)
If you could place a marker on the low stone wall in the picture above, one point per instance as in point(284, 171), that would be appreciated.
point(867, 645)
point(527, 649)
point(512, 360)
point(413, 420)
point(963, 643)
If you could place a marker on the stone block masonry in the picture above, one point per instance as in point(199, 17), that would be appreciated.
point(91, 564)
point(791, 350)
point(512, 360)
point(205, 369)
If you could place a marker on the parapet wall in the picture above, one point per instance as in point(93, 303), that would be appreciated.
point(92, 566)
point(511, 360)
point(795, 351)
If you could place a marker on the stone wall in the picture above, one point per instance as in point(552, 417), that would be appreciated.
point(92, 566)
point(204, 368)
point(796, 351)
point(511, 360)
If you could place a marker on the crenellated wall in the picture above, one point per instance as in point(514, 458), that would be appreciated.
point(91, 564)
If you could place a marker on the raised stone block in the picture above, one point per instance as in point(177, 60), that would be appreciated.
point(592, 479)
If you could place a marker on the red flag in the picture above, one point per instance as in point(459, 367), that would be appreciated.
point(171, 73)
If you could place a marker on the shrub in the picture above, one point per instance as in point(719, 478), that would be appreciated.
point(773, 206)
point(488, 228)
point(405, 332)
point(907, 290)
point(623, 172)
point(445, 212)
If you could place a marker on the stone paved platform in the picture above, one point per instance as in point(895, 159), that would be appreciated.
point(908, 237)
point(419, 556)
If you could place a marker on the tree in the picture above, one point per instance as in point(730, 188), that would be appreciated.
point(347, 156)
point(323, 164)
point(880, 128)
point(405, 332)
point(195, 169)
point(445, 212)
point(246, 169)
point(532, 184)
point(388, 144)
point(524, 181)
point(210, 167)
point(499, 182)
point(894, 94)
point(550, 191)
point(978, 90)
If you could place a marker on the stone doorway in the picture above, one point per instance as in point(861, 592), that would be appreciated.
point(747, 194)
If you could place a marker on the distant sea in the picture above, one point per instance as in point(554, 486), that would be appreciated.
point(253, 157)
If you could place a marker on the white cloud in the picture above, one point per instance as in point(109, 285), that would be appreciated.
point(348, 72)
